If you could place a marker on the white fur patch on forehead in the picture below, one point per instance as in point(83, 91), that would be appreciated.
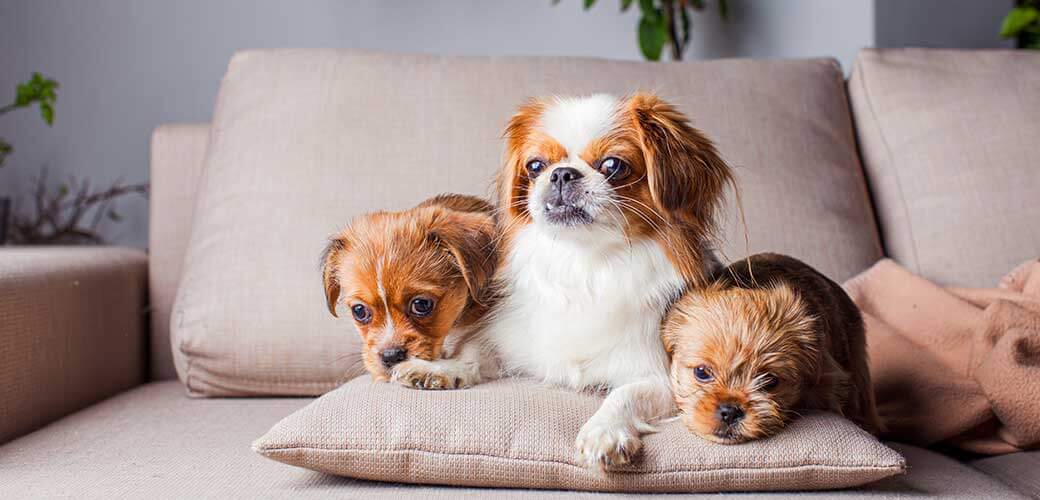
point(575, 121)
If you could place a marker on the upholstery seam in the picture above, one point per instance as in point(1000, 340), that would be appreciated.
point(265, 451)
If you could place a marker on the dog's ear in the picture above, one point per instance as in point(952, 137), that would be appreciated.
point(512, 178)
point(331, 259)
point(828, 385)
point(686, 174)
point(668, 338)
point(468, 237)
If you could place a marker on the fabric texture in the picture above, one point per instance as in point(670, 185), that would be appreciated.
point(302, 140)
point(1018, 470)
point(948, 140)
point(512, 433)
point(178, 153)
point(72, 330)
point(153, 442)
point(954, 365)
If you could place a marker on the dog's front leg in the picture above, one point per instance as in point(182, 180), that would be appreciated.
point(461, 371)
point(613, 436)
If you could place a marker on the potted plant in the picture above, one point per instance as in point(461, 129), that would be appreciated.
point(68, 214)
point(664, 22)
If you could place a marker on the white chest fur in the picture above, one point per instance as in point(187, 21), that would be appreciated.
point(584, 311)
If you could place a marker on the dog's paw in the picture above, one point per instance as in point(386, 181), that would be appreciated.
point(601, 445)
point(431, 376)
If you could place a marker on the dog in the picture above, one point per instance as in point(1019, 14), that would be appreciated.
point(417, 284)
point(769, 337)
point(607, 213)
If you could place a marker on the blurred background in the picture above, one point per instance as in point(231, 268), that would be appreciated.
point(119, 68)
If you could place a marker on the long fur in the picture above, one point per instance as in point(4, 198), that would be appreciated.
point(582, 303)
point(769, 316)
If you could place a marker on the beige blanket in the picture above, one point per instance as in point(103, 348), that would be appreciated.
point(955, 366)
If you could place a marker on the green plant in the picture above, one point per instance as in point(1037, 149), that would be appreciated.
point(70, 213)
point(34, 90)
point(664, 22)
point(1023, 24)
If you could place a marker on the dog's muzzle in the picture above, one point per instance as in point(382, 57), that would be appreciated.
point(564, 198)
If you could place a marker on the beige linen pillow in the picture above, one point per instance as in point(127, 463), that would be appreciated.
point(303, 140)
point(514, 433)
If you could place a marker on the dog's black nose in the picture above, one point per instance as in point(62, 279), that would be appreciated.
point(561, 176)
point(729, 413)
point(392, 355)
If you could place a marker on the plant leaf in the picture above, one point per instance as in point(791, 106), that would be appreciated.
point(1017, 20)
point(38, 89)
point(652, 37)
point(724, 10)
point(625, 4)
point(650, 11)
point(589, 4)
point(5, 149)
point(47, 112)
point(23, 94)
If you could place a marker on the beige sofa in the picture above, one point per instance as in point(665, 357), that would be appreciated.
point(89, 402)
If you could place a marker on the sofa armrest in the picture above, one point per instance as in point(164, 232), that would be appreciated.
point(72, 330)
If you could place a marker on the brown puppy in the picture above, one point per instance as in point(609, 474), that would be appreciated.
point(416, 283)
point(769, 336)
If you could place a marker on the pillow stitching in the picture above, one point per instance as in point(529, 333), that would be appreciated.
point(266, 451)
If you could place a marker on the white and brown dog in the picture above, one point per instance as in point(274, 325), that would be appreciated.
point(607, 213)
point(416, 283)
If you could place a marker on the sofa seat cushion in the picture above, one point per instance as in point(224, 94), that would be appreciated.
point(154, 442)
point(1019, 470)
point(948, 139)
point(518, 433)
point(303, 140)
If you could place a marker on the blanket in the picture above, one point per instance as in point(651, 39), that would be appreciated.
point(954, 366)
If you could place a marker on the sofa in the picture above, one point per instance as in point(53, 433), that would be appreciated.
point(934, 175)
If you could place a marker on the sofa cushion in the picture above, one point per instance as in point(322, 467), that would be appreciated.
point(949, 144)
point(178, 152)
point(516, 433)
point(302, 140)
point(153, 442)
point(1018, 470)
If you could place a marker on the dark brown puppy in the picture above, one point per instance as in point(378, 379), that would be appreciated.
point(771, 335)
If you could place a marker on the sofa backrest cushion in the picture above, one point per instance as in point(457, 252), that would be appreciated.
point(303, 140)
point(949, 143)
point(177, 154)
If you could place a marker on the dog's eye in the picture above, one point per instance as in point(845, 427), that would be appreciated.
point(703, 374)
point(362, 314)
point(770, 381)
point(421, 306)
point(535, 167)
point(613, 168)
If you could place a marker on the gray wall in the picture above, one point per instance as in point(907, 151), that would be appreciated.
point(940, 23)
point(128, 65)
